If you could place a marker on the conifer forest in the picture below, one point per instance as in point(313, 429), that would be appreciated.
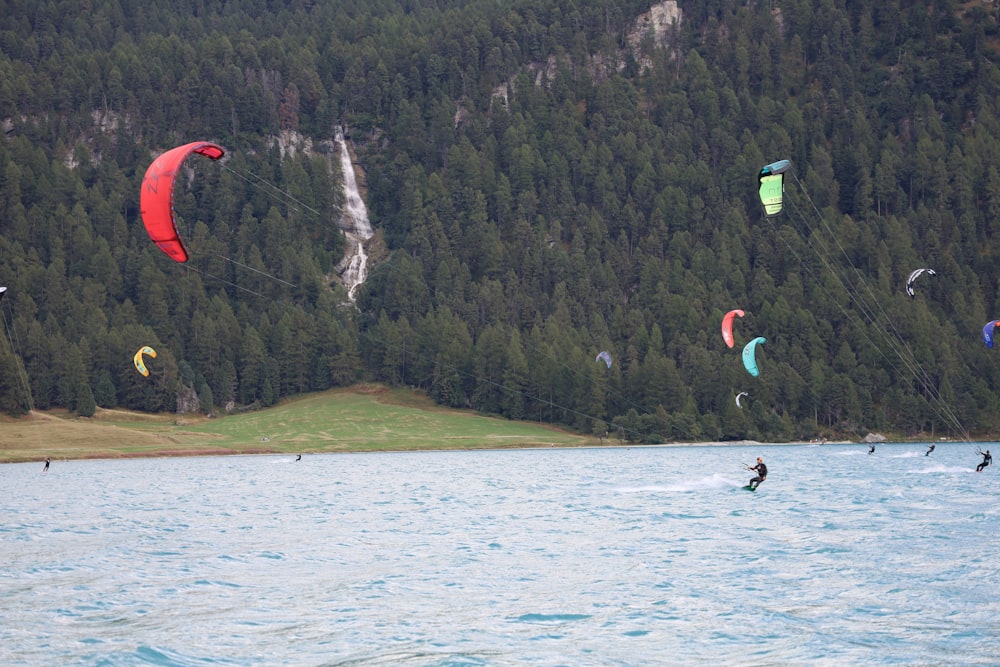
point(545, 180)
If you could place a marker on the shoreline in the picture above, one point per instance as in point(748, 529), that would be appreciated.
point(167, 452)
point(363, 418)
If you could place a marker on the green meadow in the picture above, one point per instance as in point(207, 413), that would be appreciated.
point(365, 418)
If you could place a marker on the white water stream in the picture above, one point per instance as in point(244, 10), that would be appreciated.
point(354, 222)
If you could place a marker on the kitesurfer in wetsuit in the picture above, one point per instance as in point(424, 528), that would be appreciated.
point(929, 450)
point(987, 459)
point(761, 471)
point(871, 450)
point(47, 462)
point(298, 458)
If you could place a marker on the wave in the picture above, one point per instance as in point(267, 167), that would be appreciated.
point(938, 468)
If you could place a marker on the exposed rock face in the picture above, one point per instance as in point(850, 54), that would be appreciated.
point(660, 22)
point(187, 400)
point(661, 18)
point(874, 437)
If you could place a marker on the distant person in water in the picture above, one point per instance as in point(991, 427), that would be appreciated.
point(298, 458)
point(47, 462)
point(871, 450)
point(929, 450)
point(987, 459)
point(761, 471)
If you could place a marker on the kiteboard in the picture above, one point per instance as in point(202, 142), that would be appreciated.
point(750, 488)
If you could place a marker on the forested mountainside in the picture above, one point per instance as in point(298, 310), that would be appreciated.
point(548, 179)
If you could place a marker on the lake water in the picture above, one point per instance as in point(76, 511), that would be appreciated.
point(618, 556)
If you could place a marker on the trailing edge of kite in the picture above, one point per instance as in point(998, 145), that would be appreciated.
point(156, 197)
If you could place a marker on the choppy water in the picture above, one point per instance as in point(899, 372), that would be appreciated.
point(638, 556)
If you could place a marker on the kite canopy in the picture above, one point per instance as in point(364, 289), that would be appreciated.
point(727, 326)
point(156, 198)
point(137, 359)
point(914, 276)
point(605, 357)
point(738, 397)
point(988, 332)
point(3, 290)
point(750, 357)
point(772, 186)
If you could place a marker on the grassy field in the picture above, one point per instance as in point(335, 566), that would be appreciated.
point(364, 418)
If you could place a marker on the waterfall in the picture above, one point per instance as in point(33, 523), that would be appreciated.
point(354, 222)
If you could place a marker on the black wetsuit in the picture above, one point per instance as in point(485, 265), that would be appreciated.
point(929, 450)
point(761, 475)
point(987, 459)
point(871, 450)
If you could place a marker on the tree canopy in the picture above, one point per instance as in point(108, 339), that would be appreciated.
point(550, 179)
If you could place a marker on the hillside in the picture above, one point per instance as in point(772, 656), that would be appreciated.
point(359, 419)
point(550, 180)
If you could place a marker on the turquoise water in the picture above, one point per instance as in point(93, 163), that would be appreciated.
point(619, 556)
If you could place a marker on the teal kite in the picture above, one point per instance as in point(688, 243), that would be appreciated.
point(750, 355)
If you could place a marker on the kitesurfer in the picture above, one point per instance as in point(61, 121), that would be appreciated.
point(929, 450)
point(298, 458)
point(761, 471)
point(871, 450)
point(987, 459)
point(47, 462)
